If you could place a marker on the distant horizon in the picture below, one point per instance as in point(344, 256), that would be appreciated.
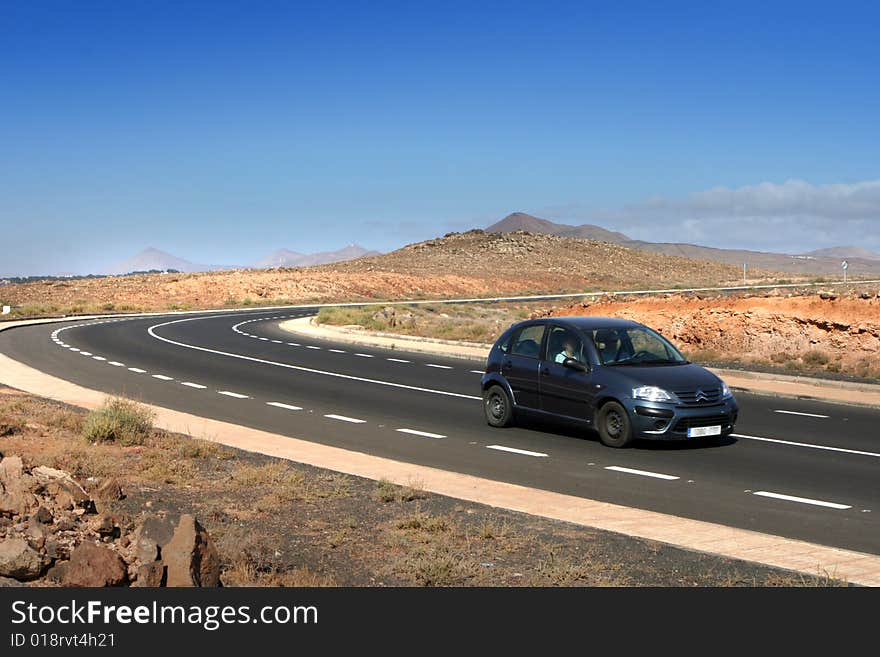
point(253, 264)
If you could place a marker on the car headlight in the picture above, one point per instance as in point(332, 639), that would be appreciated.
point(652, 393)
point(725, 391)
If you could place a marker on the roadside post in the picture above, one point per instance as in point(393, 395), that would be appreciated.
point(844, 266)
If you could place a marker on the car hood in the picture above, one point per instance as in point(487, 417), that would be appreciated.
point(669, 377)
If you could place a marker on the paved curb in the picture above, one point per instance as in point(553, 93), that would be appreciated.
point(762, 383)
point(730, 542)
point(447, 348)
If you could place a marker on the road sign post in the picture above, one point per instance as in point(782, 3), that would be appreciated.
point(844, 266)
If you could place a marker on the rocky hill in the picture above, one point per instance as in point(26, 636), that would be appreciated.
point(475, 263)
point(545, 262)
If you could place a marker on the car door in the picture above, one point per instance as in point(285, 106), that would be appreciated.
point(521, 362)
point(564, 390)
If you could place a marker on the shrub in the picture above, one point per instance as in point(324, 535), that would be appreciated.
point(119, 421)
point(815, 357)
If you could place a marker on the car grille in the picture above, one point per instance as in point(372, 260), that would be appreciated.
point(699, 396)
point(686, 423)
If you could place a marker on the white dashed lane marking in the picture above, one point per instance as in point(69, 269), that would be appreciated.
point(343, 418)
point(311, 346)
point(643, 473)
point(237, 395)
point(802, 500)
point(364, 355)
point(289, 407)
point(137, 370)
point(811, 445)
point(337, 351)
point(98, 358)
point(85, 353)
point(477, 372)
point(116, 363)
point(439, 367)
point(424, 434)
point(514, 450)
point(162, 377)
point(398, 360)
point(802, 414)
point(190, 384)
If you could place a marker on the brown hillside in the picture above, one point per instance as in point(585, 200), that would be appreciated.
point(475, 263)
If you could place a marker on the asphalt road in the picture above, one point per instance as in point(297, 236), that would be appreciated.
point(795, 468)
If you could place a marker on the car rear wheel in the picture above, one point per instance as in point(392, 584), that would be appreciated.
point(498, 407)
point(615, 428)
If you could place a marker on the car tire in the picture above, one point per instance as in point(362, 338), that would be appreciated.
point(497, 407)
point(614, 425)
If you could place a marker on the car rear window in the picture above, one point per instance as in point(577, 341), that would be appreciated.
point(528, 341)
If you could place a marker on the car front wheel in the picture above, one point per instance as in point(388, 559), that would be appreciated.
point(615, 428)
point(498, 408)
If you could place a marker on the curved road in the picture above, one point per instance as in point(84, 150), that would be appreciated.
point(796, 468)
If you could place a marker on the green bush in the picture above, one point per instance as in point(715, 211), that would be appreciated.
point(119, 421)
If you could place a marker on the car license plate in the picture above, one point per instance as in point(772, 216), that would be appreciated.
point(699, 432)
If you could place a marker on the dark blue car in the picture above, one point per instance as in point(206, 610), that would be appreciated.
point(620, 377)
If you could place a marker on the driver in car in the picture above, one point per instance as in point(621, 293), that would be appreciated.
point(568, 351)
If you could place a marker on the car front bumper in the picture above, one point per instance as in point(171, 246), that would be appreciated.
point(663, 421)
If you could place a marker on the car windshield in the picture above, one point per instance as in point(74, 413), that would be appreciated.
point(637, 345)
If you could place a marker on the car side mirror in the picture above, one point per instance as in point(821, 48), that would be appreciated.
point(574, 364)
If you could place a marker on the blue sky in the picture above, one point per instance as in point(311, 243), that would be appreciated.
point(220, 131)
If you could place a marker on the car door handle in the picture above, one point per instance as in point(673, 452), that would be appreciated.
point(508, 364)
point(545, 371)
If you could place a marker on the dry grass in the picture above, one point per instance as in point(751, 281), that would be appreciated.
point(464, 322)
point(119, 421)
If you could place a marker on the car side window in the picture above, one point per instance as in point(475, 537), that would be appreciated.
point(564, 343)
point(528, 341)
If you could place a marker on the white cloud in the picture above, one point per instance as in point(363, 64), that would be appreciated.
point(793, 216)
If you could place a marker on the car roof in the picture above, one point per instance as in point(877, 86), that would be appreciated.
point(585, 323)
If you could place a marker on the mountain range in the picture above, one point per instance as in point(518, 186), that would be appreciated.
point(155, 259)
point(822, 261)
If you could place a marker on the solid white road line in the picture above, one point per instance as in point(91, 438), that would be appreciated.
point(398, 360)
point(514, 450)
point(643, 473)
point(116, 363)
point(439, 367)
point(237, 395)
point(391, 384)
point(425, 434)
point(810, 445)
point(343, 418)
point(189, 384)
point(289, 407)
point(802, 500)
point(137, 370)
point(799, 413)
point(162, 377)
